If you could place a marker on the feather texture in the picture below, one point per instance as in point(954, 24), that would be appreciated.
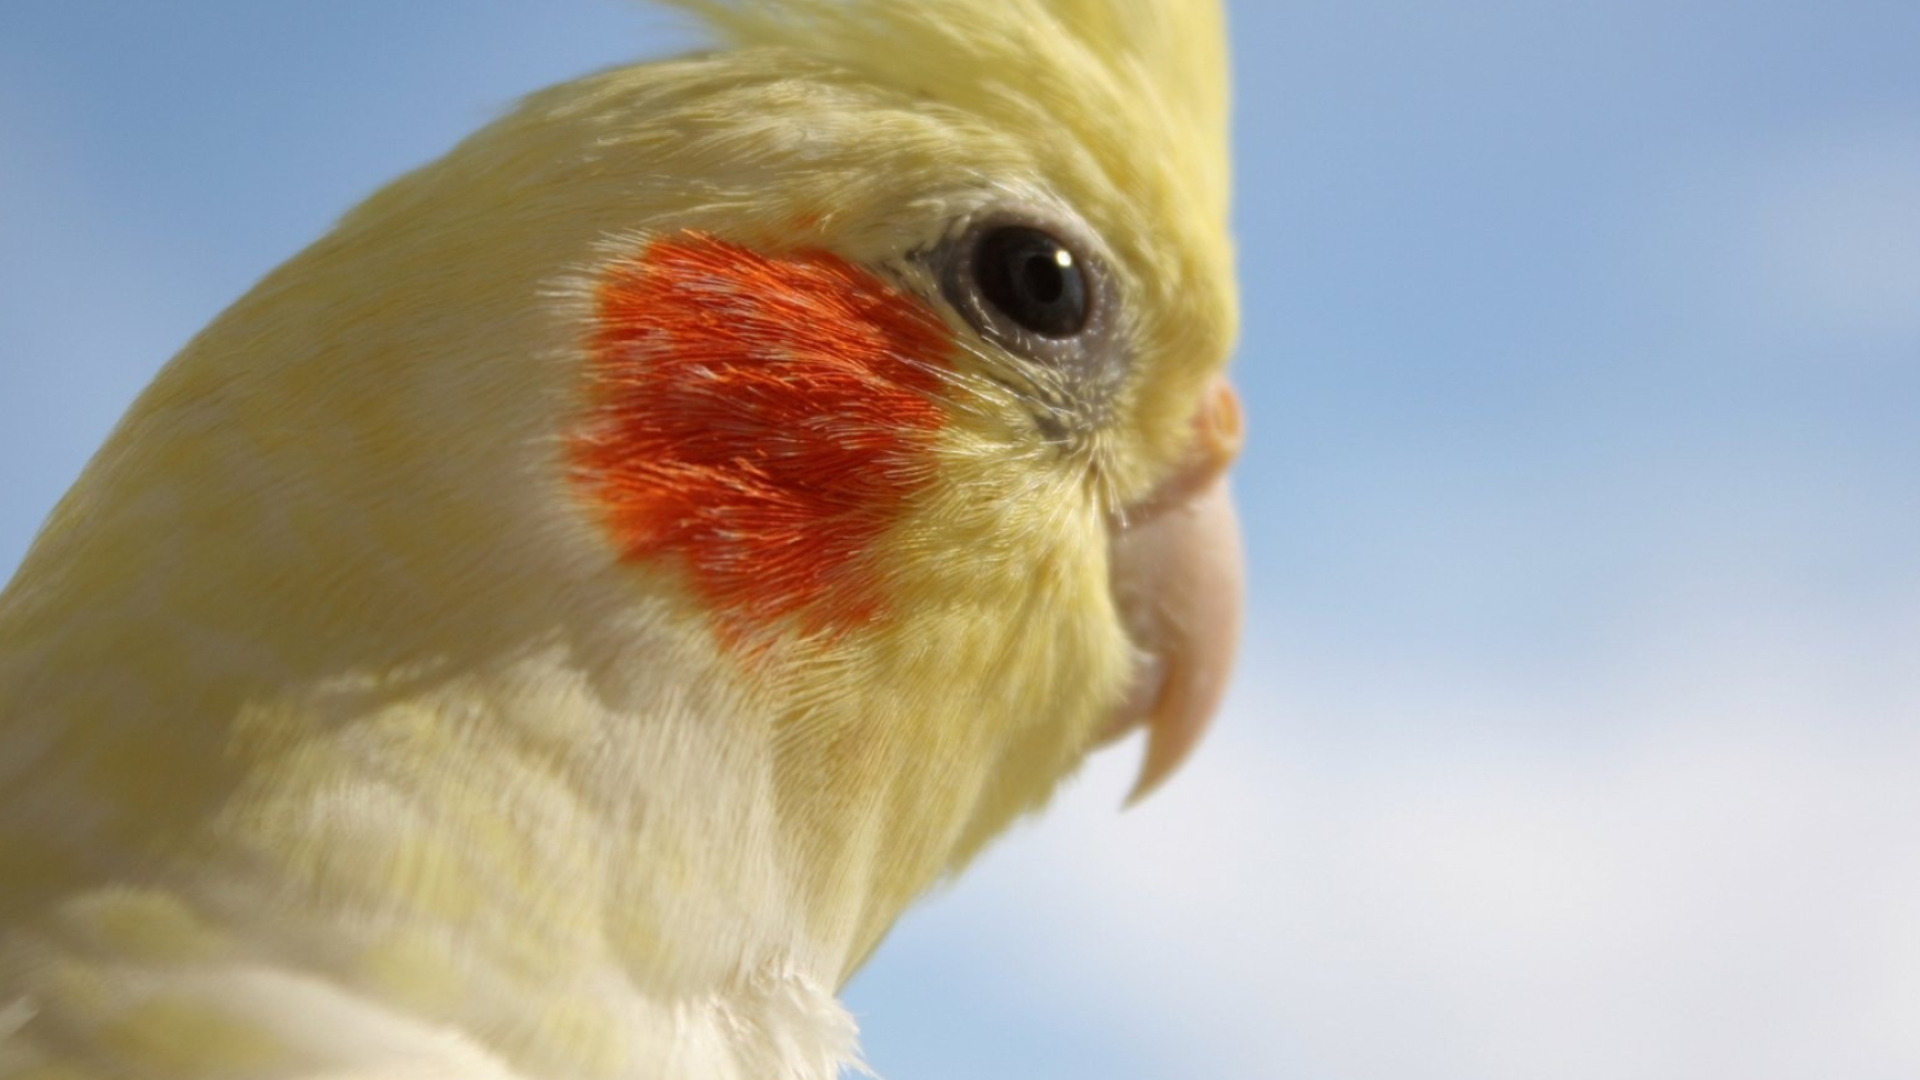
point(346, 732)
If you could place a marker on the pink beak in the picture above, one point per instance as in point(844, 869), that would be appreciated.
point(1178, 578)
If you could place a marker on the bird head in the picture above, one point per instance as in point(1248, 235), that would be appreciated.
point(913, 383)
point(831, 424)
point(949, 279)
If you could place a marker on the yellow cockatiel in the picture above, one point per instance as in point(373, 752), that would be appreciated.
point(552, 626)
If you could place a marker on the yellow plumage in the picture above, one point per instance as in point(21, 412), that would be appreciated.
point(336, 741)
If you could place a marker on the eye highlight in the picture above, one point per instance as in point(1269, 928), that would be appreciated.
point(1033, 279)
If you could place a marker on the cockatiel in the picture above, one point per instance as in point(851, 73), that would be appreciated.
point(552, 626)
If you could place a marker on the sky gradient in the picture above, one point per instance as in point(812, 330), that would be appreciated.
point(1576, 735)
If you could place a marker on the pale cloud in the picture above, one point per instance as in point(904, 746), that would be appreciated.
point(1815, 236)
point(1836, 232)
point(1721, 888)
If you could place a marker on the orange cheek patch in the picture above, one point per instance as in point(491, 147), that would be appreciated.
point(763, 420)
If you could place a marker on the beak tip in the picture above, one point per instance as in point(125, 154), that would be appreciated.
point(1143, 787)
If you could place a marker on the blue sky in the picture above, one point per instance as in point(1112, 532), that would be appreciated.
point(1577, 732)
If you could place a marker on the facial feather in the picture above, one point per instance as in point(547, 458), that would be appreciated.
point(762, 420)
point(393, 637)
point(1116, 107)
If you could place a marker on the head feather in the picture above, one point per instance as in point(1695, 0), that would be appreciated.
point(1117, 107)
point(1096, 64)
point(1130, 78)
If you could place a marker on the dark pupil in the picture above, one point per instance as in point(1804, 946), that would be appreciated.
point(1034, 279)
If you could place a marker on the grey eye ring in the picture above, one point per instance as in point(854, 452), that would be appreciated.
point(1035, 282)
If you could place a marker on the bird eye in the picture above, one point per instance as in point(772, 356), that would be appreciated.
point(1034, 279)
point(1031, 279)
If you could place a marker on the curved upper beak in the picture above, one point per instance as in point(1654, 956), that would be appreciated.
point(1178, 578)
